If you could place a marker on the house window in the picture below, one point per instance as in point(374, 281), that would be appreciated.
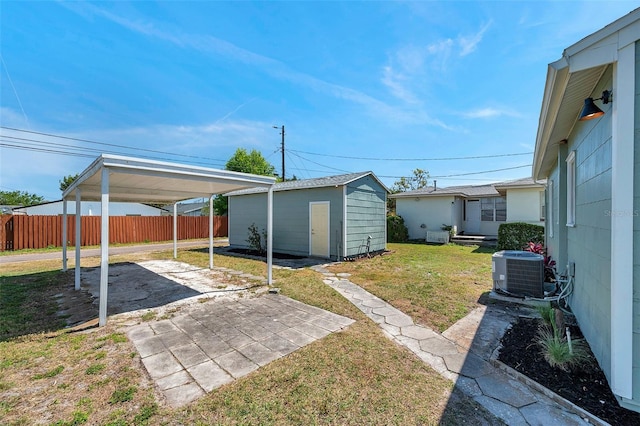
point(571, 189)
point(542, 206)
point(493, 209)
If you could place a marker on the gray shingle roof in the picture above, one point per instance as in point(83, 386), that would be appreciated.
point(322, 182)
point(487, 190)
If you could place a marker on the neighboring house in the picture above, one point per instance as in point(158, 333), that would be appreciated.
point(333, 217)
point(593, 193)
point(471, 209)
point(187, 209)
point(89, 208)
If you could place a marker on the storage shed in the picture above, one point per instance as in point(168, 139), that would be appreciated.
point(335, 217)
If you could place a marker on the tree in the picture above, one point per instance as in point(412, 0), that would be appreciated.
point(418, 180)
point(67, 181)
point(19, 198)
point(252, 162)
point(246, 162)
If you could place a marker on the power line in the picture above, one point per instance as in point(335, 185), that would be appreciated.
point(318, 164)
point(112, 145)
point(466, 174)
point(33, 144)
point(412, 159)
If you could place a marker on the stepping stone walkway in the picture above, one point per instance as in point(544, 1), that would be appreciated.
point(463, 354)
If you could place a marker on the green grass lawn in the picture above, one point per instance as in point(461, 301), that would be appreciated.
point(357, 376)
point(436, 285)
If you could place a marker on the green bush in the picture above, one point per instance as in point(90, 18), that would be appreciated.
point(396, 230)
point(515, 236)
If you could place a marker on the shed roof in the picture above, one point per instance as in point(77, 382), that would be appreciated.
point(148, 181)
point(322, 182)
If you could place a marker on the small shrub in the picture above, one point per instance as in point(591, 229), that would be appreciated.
point(255, 239)
point(396, 230)
point(517, 235)
point(559, 352)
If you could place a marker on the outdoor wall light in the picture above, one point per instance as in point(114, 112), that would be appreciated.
point(590, 110)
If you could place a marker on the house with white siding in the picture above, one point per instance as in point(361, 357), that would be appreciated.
point(90, 208)
point(588, 149)
point(334, 217)
point(471, 209)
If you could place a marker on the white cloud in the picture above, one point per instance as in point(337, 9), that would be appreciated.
point(469, 43)
point(396, 83)
point(490, 113)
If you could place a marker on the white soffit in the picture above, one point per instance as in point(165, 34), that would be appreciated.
point(140, 180)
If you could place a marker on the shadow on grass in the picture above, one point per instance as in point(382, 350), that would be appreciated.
point(28, 304)
point(48, 301)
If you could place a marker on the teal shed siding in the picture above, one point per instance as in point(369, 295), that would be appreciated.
point(364, 212)
point(366, 216)
point(290, 219)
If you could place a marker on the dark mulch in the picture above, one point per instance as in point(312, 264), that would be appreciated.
point(256, 253)
point(586, 387)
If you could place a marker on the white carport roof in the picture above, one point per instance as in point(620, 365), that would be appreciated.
point(147, 181)
point(129, 179)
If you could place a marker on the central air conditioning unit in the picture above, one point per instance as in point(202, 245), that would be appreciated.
point(520, 273)
point(438, 237)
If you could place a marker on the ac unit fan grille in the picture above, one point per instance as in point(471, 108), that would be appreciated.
point(525, 277)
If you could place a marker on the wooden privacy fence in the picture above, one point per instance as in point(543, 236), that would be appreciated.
point(21, 232)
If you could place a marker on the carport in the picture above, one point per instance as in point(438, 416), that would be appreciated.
point(129, 179)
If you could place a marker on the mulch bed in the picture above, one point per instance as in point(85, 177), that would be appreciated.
point(283, 256)
point(586, 387)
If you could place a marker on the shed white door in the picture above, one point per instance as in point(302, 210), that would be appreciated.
point(319, 229)
point(473, 217)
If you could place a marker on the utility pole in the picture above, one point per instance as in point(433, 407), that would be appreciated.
point(282, 149)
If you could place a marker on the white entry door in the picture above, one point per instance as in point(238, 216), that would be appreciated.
point(319, 229)
point(473, 217)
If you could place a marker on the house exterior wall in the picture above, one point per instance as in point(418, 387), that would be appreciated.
point(488, 228)
point(366, 216)
point(636, 239)
point(433, 212)
point(589, 240)
point(524, 205)
point(290, 218)
point(90, 208)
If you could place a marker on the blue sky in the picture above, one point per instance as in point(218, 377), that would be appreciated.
point(381, 86)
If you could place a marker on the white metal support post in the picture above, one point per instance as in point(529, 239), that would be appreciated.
point(270, 236)
point(104, 246)
point(211, 232)
point(78, 239)
point(175, 230)
point(64, 235)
